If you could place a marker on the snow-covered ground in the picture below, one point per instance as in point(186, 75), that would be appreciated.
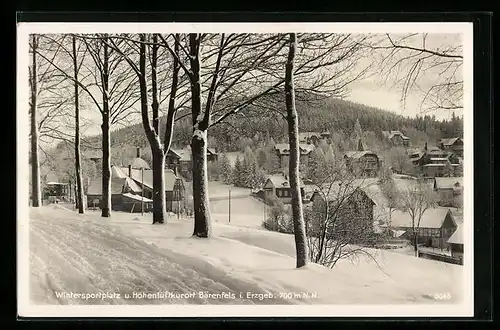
point(125, 253)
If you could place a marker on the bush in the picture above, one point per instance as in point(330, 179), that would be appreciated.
point(279, 218)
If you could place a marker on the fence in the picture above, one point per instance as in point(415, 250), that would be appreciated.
point(441, 257)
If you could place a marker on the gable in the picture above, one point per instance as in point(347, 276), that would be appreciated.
point(269, 184)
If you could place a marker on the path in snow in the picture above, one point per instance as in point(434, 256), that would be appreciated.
point(69, 253)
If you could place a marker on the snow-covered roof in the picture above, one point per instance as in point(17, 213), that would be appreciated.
point(117, 186)
point(391, 134)
point(457, 237)
point(137, 198)
point(359, 154)
point(448, 182)
point(432, 218)
point(280, 181)
point(449, 142)
point(170, 178)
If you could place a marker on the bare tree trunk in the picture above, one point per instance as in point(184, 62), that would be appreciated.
point(294, 162)
point(415, 243)
point(159, 196)
point(35, 162)
point(78, 169)
point(202, 221)
point(159, 207)
point(106, 146)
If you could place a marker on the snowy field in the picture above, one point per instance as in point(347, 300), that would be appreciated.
point(239, 265)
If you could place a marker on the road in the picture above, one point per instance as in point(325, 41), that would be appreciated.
point(71, 254)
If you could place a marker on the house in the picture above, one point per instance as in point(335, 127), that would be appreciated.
point(283, 152)
point(455, 145)
point(435, 162)
point(436, 226)
point(350, 208)
point(456, 242)
point(278, 185)
point(448, 189)
point(362, 163)
point(120, 184)
point(174, 186)
point(135, 203)
point(397, 138)
point(53, 189)
point(180, 160)
point(314, 137)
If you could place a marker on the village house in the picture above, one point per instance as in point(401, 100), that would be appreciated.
point(455, 145)
point(436, 226)
point(180, 160)
point(283, 152)
point(314, 137)
point(448, 189)
point(120, 184)
point(435, 162)
point(346, 202)
point(278, 185)
point(174, 186)
point(397, 138)
point(362, 163)
point(54, 190)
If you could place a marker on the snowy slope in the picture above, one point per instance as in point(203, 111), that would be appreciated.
point(89, 253)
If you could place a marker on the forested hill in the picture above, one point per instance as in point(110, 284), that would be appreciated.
point(257, 126)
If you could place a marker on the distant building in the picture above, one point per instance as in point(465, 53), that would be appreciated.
point(174, 186)
point(120, 184)
point(54, 190)
point(448, 189)
point(435, 162)
point(436, 226)
point(397, 138)
point(180, 160)
point(283, 152)
point(362, 163)
point(348, 202)
point(455, 145)
point(314, 137)
point(278, 185)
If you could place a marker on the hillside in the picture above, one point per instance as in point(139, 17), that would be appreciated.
point(257, 125)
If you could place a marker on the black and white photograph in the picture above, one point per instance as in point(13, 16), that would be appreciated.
point(245, 169)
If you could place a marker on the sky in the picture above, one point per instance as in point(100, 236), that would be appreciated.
point(370, 90)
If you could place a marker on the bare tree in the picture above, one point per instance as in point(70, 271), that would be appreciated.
point(416, 199)
point(340, 222)
point(391, 193)
point(294, 160)
point(399, 160)
point(78, 169)
point(109, 88)
point(36, 195)
point(428, 65)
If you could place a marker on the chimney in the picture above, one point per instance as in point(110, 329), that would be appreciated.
point(130, 171)
point(138, 152)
